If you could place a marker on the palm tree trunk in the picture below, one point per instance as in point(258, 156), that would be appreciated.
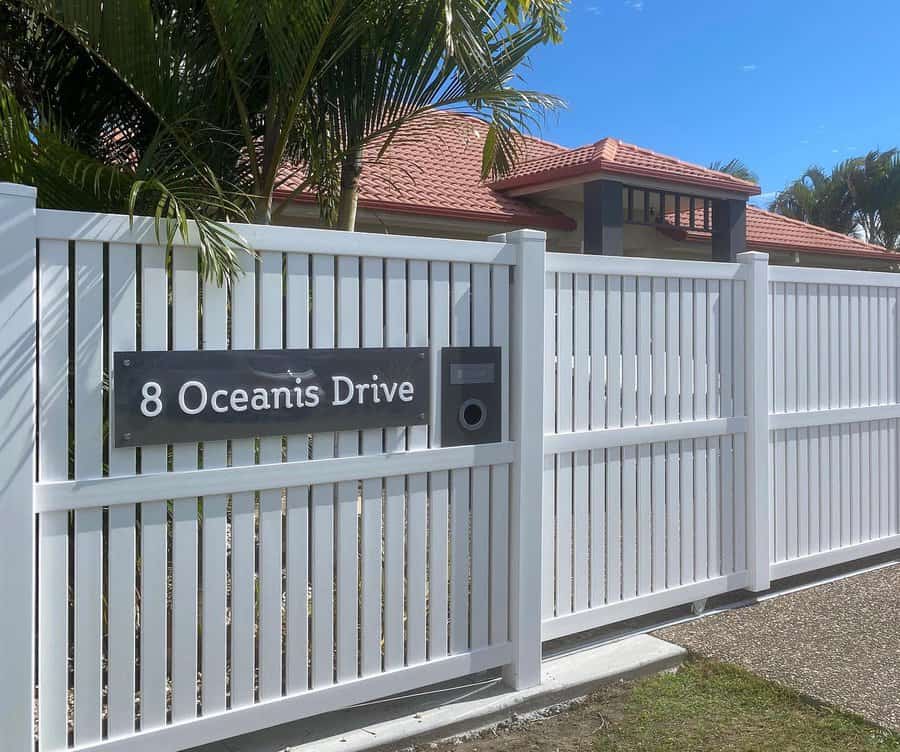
point(351, 167)
point(263, 213)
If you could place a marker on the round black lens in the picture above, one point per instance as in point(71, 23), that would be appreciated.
point(472, 414)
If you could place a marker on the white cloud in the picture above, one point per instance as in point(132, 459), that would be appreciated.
point(595, 10)
point(637, 5)
point(749, 68)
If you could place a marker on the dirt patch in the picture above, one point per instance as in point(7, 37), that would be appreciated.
point(570, 727)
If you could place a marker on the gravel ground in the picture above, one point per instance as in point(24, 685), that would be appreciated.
point(838, 642)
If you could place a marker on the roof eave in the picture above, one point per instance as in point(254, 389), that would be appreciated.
point(600, 168)
point(524, 219)
point(875, 255)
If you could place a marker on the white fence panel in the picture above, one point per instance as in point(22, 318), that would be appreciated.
point(226, 586)
point(834, 416)
point(644, 484)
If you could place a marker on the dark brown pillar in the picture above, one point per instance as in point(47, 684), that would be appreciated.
point(603, 218)
point(729, 228)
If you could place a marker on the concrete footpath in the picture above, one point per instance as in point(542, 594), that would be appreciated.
point(436, 712)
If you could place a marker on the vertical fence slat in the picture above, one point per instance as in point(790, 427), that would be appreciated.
point(395, 440)
point(121, 590)
point(438, 509)
point(740, 458)
point(88, 584)
point(481, 477)
point(673, 541)
point(243, 518)
point(214, 611)
point(597, 510)
point(727, 347)
point(269, 296)
point(417, 490)
point(644, 514)
point(53, 394)
point(184, 511)
point(346, 533)
point(580, 460)
point(658, 415)
point(613, 455)
point(686, 410)
point(701, 468)
point(154, 535)
point(629, 453)
point(297, 497)
point(322, 535)
point(500, 311)
point(460, 336)
point(372, 513)
point(564, 464)
point(548, 482)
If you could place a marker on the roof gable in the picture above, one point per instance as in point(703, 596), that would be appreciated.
point(609, 155)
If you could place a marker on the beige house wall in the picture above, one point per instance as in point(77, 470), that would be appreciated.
point(639, 240)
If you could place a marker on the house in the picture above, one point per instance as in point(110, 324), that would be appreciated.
point(609, 197)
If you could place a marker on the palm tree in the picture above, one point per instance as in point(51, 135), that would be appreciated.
point(736, 168)
point(874, 183)
point(819, 198)
point(415, 59)
point(861, 194)
point(205, 102)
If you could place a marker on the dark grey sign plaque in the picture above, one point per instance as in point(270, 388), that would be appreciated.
point(173, 397)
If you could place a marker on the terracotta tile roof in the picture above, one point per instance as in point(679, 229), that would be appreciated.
point(610, 155)
point(767, 231)
point(433, 167)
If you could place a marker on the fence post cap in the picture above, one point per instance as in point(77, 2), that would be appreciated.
point(753, 257)
point(18, 190)
point(519, 236)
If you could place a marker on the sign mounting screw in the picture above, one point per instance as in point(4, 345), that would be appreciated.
point(126, 362)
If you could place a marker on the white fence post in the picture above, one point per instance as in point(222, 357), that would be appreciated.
point(526, 420)
point(18, 281)
point(757, 338)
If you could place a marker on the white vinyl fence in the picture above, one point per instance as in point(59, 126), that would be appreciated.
point(833, 399)
point(645, 499)
point(169, 596)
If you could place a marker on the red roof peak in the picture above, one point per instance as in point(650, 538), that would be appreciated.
point(606, 148)
point(611, 155)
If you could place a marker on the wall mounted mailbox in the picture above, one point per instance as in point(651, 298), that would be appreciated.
point(172, 397)
point(471, 411)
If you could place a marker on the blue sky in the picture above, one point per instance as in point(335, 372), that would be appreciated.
point(781, 85)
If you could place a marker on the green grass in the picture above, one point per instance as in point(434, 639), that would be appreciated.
point(711, 707)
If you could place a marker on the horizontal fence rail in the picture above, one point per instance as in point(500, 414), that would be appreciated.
point(672, 430)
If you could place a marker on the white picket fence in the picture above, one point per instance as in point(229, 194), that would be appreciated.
point(166, 597)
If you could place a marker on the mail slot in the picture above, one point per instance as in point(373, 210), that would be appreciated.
point(471, 410)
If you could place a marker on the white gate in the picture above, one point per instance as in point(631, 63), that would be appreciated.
point(645, 501)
